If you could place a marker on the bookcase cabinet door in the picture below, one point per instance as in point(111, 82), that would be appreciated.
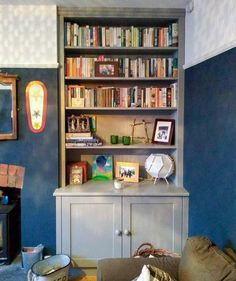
point(90, 228)
point(157, 220)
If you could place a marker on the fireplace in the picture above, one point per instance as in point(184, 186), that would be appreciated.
point(11, 183)
point(9, 232)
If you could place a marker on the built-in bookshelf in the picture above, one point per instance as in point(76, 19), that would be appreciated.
point(145, 51)
point(120, 73)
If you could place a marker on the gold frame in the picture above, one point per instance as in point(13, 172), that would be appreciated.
point(128, 178)
point(10, 79)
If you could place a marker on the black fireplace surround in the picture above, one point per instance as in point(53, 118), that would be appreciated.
point(10, 234)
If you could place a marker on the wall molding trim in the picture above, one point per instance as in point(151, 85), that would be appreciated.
point(28, 65)
point(211, 54)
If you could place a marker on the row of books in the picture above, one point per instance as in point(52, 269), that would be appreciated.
point(121, 97)
point(127, 67)
point(110, 36)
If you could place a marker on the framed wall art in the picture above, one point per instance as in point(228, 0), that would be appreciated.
point(36, 95)
point(102, 167)
point(127, 171)
point(163, 131)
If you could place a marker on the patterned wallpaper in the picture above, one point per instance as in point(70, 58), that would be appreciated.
point(28, 36)
point(28, 33)
point(210, 30)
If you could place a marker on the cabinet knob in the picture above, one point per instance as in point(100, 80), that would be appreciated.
point(118, 232)
point(127, 232)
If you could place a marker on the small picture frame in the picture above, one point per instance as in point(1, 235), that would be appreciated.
point(163, 131)
point(76, 175)
point(127, 171)
point(106, 69)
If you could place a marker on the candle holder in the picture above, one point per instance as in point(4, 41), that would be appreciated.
point(114, 139)
point(126, 140)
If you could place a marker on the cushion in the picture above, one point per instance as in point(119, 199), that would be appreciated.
point(152, 273)
point(126, 269)
point(203, 261)
point(231, 253)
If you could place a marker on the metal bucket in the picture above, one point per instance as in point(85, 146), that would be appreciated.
point(53, 268)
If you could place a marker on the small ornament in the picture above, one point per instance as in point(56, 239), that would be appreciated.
point(144, 123)
point(36, 105)
point(159, 166)
point(118, 183)
point(78, 124)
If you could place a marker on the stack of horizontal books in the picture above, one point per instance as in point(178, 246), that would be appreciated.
point(82, 139)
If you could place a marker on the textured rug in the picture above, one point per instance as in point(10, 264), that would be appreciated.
point(12, 272)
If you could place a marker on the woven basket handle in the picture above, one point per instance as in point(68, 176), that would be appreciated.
point(136, 253)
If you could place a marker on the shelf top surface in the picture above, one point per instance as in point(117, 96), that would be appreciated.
point(123, 108)
point(106, 188)
point(121, 146)
point(122, 78)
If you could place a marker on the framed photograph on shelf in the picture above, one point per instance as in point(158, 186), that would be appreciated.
point(163, 131)
point(106, 68)
point(127, 171)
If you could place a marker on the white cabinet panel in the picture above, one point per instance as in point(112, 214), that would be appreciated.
point(89, 227)
point(157, 220)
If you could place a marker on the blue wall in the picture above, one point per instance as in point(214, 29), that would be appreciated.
point(209, 153)
point(38, 153)
point(210, 148)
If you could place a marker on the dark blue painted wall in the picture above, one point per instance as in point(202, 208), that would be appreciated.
point(38, 153)
point(210, 147)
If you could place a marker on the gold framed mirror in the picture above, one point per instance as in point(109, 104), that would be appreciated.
point(8, 110)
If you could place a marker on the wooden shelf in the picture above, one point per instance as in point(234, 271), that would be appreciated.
point(131, 109)
point(121, 50)
point(132, 146)
point(119, 79)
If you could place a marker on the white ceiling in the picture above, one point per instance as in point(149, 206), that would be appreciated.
point(102, 3)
